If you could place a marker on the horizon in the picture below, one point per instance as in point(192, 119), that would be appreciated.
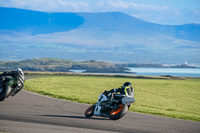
point(113, 62)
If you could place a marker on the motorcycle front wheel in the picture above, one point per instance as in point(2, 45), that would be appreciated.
point(119, 112)
point(90, 111)
point(5, 93)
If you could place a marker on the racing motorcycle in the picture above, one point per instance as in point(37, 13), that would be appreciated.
point(114, 109)
point(5, 92)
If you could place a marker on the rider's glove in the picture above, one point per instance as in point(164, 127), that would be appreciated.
point(106, 92)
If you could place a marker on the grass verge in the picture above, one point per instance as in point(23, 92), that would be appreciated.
point(170, 98)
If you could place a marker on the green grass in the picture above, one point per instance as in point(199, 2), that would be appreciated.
point(170, 98)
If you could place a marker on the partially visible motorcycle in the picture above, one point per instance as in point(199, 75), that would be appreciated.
point(6, 90)
point(114, 109)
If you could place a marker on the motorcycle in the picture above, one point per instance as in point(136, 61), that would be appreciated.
point(114, 109)
point(5, 90)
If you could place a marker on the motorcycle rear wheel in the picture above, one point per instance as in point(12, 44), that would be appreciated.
point(5, 93)
point(90, 111)
point(119, 113)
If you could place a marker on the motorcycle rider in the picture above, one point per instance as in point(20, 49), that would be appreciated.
point(125, 90)
point(15, 80)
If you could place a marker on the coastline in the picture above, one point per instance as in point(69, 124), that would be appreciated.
point(46, 73)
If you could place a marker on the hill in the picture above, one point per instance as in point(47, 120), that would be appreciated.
point(62, 65)
point(34, 23)
point(28, 22)
point(112, 36)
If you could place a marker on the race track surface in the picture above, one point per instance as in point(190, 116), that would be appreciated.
point(31, 113)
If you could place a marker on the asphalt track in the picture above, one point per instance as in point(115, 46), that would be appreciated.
point(31, 113)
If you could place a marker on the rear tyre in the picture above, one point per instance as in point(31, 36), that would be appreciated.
point(5, 93)
point(90, 111)
point(119, 113)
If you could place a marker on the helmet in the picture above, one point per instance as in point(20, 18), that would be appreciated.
point(127, 84)
point(19, 70)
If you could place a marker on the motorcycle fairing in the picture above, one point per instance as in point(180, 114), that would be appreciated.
point(97, 110)
point(128, 100)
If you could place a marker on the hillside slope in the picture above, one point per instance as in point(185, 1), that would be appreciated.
point(61, 65)
point(33, 22)
point(112, 36)
point(102, 26)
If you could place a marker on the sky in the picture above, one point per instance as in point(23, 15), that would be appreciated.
point(166, 12)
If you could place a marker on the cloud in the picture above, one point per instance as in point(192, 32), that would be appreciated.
point(131, 5)
point(47, 5)
point(156, 14)
point(77, 6)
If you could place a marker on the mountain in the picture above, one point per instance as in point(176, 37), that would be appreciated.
point(111, 36)
point(123, 23)
point(33, 22)
point(187, 32)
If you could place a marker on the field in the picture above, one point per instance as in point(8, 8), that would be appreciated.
point(163, 97)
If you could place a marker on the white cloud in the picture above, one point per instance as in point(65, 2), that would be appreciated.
point(47, 5)
point(156, 14)
point(78, 5)
point(131, 5)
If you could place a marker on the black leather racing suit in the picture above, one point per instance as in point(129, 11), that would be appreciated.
point(124, 91)
point(16, 79)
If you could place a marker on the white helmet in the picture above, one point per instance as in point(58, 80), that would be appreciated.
point(20, 71)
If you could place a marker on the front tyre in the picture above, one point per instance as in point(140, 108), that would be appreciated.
point(119, 112)
point(90, 111)
point(5, 93)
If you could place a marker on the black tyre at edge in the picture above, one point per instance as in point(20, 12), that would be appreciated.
point(120, 114)
point(5, 93)
point(89, 109)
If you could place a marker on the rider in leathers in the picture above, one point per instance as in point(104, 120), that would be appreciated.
point(125, 90)
point(15, 79)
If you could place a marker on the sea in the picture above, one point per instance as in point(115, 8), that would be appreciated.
point(179, 72)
